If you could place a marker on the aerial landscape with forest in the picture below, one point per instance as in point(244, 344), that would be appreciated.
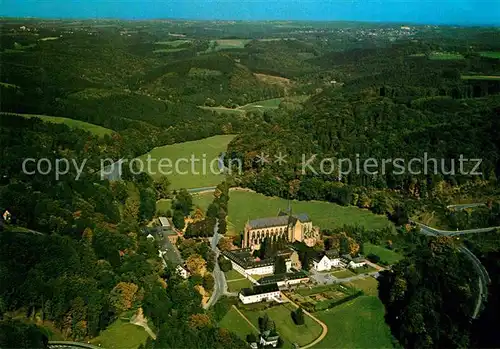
point(238, 183)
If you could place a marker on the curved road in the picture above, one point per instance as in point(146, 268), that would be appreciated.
point(220, 286)
point(484, 278)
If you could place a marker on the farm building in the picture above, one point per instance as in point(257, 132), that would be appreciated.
point(243, 262)
point(268, 338)
point(260, 293)
point(285, 280)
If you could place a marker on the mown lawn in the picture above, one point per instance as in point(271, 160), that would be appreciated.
point(185, 173)
point(356, 324)
point(121, 335)
point(245, 205)
point(368, 285)
point(291, 333)
point(95, 129)
point(163, 205)
point(385, 254)
point(236, 286)
point(237, 324)
point(233, 275)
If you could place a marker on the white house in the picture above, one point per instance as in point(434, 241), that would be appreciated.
point(269, 339)
point(182, 272)
point(357, 263)
point(150, 237)
point(260, 293)
point(324, 263)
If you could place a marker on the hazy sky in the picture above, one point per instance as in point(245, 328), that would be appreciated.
point(420, 11)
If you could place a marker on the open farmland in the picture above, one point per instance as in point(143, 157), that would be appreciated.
point(356, 324)
point(445, 56)
point(244, 205)
point(480, 77)
point(490, 54)
point(179, 155)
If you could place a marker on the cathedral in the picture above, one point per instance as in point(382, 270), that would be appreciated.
point(290, 227)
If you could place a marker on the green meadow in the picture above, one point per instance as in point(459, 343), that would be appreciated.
point(234, 322)
point(185, 173)
point(385, 254)
point(445, 56)
point(245, 205)
point(356, 324)
point(291, 333)
point(95, 129)
point(490, 54)
point(480, 77)
point(121, 335)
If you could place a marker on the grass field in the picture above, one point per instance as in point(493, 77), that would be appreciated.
point(163, 205)
point(233, 275)
point(490, 54)
point(356, 324)
point(341, 274)
point(236, 286)
point(168, 50)
point(234, 322)
point(173, 43)
point(480, 77)
point(224, 110)
point(368, 285)
point(291, 333)
point(245, 205)
point(121, 335)
point(231, 43)
point(95, 129)
point(445, 56)
point(265, 104)
point(385, 254)
point(208, 148)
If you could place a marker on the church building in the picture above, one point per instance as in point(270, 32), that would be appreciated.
point(285, 226)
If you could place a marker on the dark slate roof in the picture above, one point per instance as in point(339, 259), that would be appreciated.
point(332, 253)
point(303, 217)
point(268, 222)
point(260, 289)
point(243, 257)
point(280, 277)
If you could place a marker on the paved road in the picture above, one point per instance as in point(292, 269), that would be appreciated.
point(483, 277)
point(199, 190)
point(433, 231)
point(461, 207)
point(328, 279)
point(220, 285)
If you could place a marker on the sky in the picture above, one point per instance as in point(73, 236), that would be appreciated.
point(462, 12)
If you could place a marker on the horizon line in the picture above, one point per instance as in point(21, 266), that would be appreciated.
point(124, 19)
